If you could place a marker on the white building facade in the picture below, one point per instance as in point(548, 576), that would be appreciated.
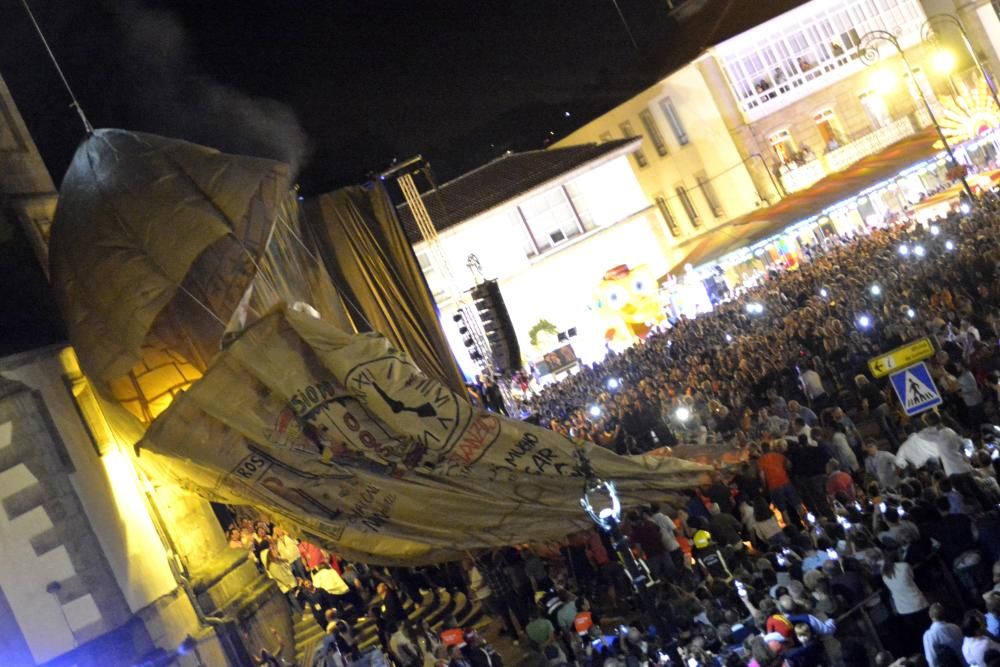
point(776, 107)
point(687, 163)
point(548, 246)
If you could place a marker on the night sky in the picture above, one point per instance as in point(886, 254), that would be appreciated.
point(340, 87)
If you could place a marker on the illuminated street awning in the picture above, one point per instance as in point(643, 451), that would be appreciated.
point(749, 229)
point(982, 180)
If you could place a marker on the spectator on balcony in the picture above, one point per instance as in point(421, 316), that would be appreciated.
point(285, 546)
point(281, 572)
point(235, 538)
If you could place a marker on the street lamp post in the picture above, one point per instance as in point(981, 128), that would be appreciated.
point(869, 54)
point(929, 35)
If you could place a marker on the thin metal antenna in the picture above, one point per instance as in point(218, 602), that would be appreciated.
point(625, 23)
point(76, 103)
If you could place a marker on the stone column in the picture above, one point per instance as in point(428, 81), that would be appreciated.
point(743, 137)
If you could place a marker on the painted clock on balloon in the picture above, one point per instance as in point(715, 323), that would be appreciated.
point(401, 387)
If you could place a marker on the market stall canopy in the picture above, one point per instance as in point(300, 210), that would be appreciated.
point(766, 222)
point(157, 238)
point(343, 437)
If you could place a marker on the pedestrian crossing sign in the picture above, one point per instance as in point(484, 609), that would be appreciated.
point(915, 389)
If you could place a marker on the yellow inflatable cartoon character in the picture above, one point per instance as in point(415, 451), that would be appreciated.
point(628, 302)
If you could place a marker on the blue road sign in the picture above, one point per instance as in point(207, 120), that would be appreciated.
point(915, 389)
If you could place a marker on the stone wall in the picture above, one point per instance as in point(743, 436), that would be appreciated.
point(56, 581)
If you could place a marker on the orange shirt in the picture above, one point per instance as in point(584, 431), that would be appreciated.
point(840, 482)
point(779, 623)
point(773, 465)
point(682, 539)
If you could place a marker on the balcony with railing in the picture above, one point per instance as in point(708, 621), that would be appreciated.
point(798, 177)
point(807, 49)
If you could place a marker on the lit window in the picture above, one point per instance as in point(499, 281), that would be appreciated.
point(688, 205)
point(661, 203)
point(829, 129)
point(765, 63)
point(629, 132)
point(925, 87)
point(875, 107)
point(550, 217)
point(430, 272)
point(653, 132)
point(670, 113)
point(783, 145)
point(708, 190)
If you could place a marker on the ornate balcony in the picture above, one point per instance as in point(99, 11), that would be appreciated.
point(800, 177)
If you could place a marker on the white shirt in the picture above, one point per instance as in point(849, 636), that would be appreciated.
point(916, 451)
point(905, 595)
point(974, 649)
point(404, 649)
point(949, 449)
point(812, 384)
point(287, 548)
point(883, 466)
point(280, 571)
point(329, 580)
point(941, 634)
point(969, 390)
point(666, 527)
point(477, 584)
point(841, 450)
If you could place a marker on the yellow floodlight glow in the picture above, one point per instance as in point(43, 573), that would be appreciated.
point(143, 574)
point(883, 80)
point(943, 61)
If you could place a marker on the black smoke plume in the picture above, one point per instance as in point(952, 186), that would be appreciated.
point(175, 99)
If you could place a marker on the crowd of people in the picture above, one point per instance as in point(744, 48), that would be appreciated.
point(805, 335)
point(898, 528)
point(337, 594)
point(848, 533)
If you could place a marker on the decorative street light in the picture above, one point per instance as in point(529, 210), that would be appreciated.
point(601, 503)
point(930, 36)
point(869, 54)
